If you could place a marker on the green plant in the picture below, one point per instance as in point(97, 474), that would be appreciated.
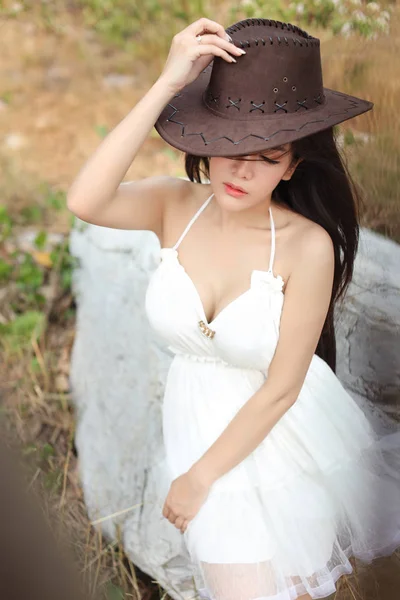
point(339, 16)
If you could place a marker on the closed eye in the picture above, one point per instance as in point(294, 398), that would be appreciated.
point(263, 159)
point(270, 161)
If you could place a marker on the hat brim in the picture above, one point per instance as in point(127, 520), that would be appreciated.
point(187, 124)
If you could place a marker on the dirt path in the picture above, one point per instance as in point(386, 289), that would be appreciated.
point(63, 92)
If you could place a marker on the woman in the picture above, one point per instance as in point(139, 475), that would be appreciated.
point(276, 473)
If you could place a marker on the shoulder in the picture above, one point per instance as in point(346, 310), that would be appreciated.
point(190, 197)
point(195, 193)
point(181, 207)
point(311, 246)
point(314, 242)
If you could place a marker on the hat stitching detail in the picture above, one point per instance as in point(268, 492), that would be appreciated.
point(272, 23)
point(280, 106)
point(257, 106)
point(214, 98)
point(254, 42)
point(318, 99)
point(353, 104)
point(233, 103)
point(215, 111)
point(301, 104)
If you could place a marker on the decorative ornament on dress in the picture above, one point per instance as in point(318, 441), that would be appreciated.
point(267, 280)
point(205, 330)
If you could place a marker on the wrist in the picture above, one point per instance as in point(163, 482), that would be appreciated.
point(201, 475)
point(166, 86)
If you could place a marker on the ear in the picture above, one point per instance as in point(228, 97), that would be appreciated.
point(288, 174)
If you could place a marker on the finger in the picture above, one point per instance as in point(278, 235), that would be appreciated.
point(172, 517)
point(204, 24)
point(179, 521)
point(228, 46)
point(202, 50)
point(184, 525)
point(169, 514)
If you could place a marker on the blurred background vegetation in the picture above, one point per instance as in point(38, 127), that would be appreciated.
point(71, 70)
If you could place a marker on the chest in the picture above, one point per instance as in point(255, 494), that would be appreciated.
point(246, 330)
point(219, 273)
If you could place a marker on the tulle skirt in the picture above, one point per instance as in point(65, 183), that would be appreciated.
point(323, 486)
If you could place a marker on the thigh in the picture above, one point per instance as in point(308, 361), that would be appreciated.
point(239, 581)
point(244, 581)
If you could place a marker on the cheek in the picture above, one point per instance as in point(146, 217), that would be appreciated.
point(273, 174)
point(218, 165)
point(270, 177)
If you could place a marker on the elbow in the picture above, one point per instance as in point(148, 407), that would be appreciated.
point(74, 205)
point(271, 395)
point(291, 393)
point(75, 199)
point(281, 390)
point(72, 202)
point(290, 397)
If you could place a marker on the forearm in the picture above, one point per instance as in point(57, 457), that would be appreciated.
point(245, 432)
point(97, 181)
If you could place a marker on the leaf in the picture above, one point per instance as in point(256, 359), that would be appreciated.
point(5, 270)
point(101, 130)
point(40, 240)
point(43, 258)
point(114, 592)
point(47, 451)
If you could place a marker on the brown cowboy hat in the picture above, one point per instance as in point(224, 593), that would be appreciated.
point(274, 94)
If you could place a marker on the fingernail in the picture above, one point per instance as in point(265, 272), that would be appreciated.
point(234, 59)
point(228, 37)
point(242, 51)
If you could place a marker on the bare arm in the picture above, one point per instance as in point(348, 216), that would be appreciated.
point(97, 195)
point(306, 304)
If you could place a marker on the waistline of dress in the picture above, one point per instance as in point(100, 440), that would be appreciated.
point(210, 359)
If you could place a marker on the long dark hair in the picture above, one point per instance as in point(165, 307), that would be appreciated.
point(321, 189)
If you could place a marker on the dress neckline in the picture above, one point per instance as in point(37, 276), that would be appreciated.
point(254, 274)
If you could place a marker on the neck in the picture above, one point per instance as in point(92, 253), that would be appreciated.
point(242, 217)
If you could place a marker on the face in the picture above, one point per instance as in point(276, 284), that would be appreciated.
point(257, 174)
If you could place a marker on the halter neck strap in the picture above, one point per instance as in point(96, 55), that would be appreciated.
point(200, 210)
point(271, 260)
point(192, 220)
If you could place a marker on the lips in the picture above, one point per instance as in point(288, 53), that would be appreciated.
point(235, 187)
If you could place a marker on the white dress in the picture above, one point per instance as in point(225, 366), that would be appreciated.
point(320, 488)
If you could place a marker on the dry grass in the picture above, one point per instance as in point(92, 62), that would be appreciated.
point(59, 118)
point(38, 419)
point(370, 70)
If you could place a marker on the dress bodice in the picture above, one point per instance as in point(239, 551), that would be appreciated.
point(243, 334)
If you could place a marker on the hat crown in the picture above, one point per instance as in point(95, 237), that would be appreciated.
point(280, 73)
point(272, 95)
